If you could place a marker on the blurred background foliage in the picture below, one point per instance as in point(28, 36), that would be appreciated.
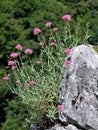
point(18, 18)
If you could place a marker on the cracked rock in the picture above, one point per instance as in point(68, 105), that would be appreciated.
point(79, 89)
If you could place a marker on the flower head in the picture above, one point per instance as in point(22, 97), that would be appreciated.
point(28, 51)
point(19, 47)
point(37, 31)
point(55, 29)
point(67, 51)
point(32, 82)
point(26, 85)
point(67, 17)
point(38, 62)
point(61, 107)
point(67, 62)
point(11, 62)
point(9, 75)
point(14, 55)
point(48, 24)
point(41, 43)
point(13, 67)
point(17, 81)
point(5, 77)
point(52, 44)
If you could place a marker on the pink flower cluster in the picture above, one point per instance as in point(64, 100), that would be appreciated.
point(17, 81)
point(55, 29)
point(48, 24)
point(52, 44)
point(67, 62)
point(28, 51)
point(41, 43)
point(19, 47)
point(61, 107)
point(14, 55)
point(67, 17)
point(30, 83)
point(6, 77)
point(67, 51)
point(38, 62)
point(11, 63)
point(13, 67)
point(37, 31)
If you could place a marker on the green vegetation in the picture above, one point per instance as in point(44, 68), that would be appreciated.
point(18, 18)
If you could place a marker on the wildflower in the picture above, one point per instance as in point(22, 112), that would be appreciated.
point(6, 78)
point(67, 51)
point(67, 62)
point(38, 62)
point(52, 44)
point(14, 55)
point(32, 82)
point(41, 43)
point(87, 24)
point(13, 67)
point(9, 75)
point(48, 24)
point(19, 47)
point(55, 29)
point(17, 81)
point(37, 31)
point(26, 85)
point(11, 62)
point(61, 107)
point(67, 17)
point(28, 51)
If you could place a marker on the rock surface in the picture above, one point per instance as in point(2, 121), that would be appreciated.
point(79, 89)
point(59, 127)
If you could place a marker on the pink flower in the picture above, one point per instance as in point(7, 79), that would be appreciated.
point(6, 78)
point(28, 51)
point(67, 51)
point(13, 67)
point(11, 62)
point(61, 107)
point(67, 62)
point(41, 43)
point(32, 82)
point(55, 29)
point(37, 31)
point(48, 24)
point(52, 44)
point(38, 62)
point(26, 85)
point(67, 17)
point(19, 47)
point(17, 81)
point(13, 55)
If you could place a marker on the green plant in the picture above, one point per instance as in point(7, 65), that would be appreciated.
point(10, 124)
point(16, 114)
point(37, 82)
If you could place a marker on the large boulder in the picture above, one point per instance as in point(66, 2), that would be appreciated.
point(79, 89)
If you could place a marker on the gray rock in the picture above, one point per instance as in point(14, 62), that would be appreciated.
point(36, 126)
point(71, 127)
point(59, 127)
point(79, 88)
